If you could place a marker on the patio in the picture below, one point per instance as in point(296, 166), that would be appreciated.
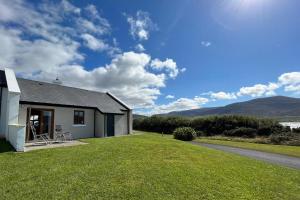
point(36, 146)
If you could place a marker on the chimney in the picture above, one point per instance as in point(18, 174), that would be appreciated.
point(57, 81)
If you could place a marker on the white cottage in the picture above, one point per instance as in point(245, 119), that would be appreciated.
point(84, 113)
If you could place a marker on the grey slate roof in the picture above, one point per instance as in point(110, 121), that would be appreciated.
point(48, 93)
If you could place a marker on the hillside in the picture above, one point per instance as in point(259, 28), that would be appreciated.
point(278, 106)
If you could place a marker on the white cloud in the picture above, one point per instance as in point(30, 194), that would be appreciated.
point(290, 81)
point(126, 76)
point(205, 43)
point(259, 90)
point(94, 43)
point(222, 95)
point(38, 44)
point(141, 25)
point(140, 47)
point(170, 97)
point(180, 104)
point(169, 65)
point(183, 69)
point(68, 7)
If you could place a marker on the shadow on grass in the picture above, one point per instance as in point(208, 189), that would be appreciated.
point(5, 146)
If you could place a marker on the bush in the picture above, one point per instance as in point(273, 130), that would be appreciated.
point(296, 130)
point(241, 132)
point(209, 126)
point(200, 133)
point(184, 133)
point(284, 138)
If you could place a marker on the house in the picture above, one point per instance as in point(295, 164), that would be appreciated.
point(82, 112)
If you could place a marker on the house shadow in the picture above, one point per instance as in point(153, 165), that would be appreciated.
point(5, 146)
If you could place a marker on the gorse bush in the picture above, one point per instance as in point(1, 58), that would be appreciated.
point(164, 125)
point(296, 130)
point(184, 133)
point(241, 132)
point(208, 126)
point(287, 138)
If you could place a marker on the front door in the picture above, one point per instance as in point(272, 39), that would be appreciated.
point(42, 120)
point(110, 125)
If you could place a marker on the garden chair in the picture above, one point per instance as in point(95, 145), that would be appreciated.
point(62, 136)
point(39, 137)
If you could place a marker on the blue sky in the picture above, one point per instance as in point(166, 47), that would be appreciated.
point(157, 56)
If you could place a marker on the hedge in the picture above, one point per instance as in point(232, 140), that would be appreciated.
point(213, 125)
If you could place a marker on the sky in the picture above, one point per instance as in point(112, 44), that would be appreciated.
point(157, 56)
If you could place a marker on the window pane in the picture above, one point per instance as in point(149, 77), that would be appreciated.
point(78, 117)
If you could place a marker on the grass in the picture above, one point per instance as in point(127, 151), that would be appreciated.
point(146, 166)
point(280, 149)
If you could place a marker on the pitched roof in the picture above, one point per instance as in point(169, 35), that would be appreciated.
point(48, 93)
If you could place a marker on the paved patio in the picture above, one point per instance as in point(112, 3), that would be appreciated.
point(37, 146)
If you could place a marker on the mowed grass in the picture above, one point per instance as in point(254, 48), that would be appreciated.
point(280, 149)
point(146, 166)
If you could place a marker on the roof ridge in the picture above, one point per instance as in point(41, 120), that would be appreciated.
point(62, 85)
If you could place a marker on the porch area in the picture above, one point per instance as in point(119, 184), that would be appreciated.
point(31, 146)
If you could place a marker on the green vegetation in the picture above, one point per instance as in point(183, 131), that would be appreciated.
point(231, 125)
point(185, 134)
point(252, 144)
point(5, 146)
point(146, 166)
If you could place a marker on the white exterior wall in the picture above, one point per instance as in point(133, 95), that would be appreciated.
point(64, 116)
point(100, 126)
point(121, 124)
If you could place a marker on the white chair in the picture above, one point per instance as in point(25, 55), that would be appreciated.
point(62, 136)
point(39, 137)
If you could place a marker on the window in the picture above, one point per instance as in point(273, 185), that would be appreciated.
point(78, 117)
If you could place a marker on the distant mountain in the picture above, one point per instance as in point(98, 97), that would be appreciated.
point(136, 116)
point(277, 106)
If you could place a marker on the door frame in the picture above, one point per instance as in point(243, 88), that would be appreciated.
point(28, 121)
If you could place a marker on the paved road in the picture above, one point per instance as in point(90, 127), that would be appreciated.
point(283, 160)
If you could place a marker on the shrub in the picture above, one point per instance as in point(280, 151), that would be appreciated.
point(184, 133)
point(280, 138)
point(296, 130)
point(200, 133)
point(209, 126)
point(241, 132)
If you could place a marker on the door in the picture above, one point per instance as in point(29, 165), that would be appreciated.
point(42, 120)
point(110, 125)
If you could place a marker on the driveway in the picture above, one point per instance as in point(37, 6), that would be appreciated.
point(282, 160)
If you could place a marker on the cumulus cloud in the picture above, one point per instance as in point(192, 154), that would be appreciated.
point(141, 25)
point(94, 43)
point(180, 104)
point(290, 81)
point(170, 97)
point(38, 44)
point(205, 43)
point(169, 65)
point(222, 95)
point(259, 90)
point(139, 47)
point(126, 76)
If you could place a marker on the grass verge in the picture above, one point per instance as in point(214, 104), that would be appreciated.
point(146, 166)
point(280, 149)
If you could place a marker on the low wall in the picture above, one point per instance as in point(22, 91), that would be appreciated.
point(16, 136)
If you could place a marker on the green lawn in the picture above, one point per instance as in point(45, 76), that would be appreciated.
point(280, 149)
point(146, 166)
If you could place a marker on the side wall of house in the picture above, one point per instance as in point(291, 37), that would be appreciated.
point(65, 116)
point(121, 124)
